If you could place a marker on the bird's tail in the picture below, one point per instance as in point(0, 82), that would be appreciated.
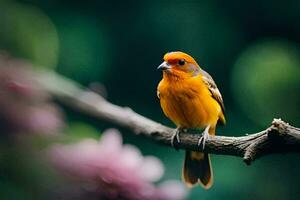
point(197, 169)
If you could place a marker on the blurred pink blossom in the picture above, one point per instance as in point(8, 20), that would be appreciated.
point(25, 107)
point(113, 170)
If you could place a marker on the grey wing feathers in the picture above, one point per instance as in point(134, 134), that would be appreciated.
point(208, 80)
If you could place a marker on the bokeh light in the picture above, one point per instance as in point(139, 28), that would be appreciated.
point(28, 33)
point(265, 81)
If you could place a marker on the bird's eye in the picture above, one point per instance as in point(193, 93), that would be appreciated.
point(181, 62)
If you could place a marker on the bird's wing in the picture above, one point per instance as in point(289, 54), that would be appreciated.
point(211, 85)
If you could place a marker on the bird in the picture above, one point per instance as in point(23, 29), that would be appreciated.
point(190, 98)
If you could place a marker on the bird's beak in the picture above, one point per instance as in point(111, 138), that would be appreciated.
point(164, 66)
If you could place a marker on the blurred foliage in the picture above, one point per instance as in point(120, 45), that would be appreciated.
point(78, 131)
point(266, 76)
point(23, 31)
point(251, 48)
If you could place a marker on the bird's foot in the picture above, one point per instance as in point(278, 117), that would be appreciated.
point(205, 136)
point(176, 138)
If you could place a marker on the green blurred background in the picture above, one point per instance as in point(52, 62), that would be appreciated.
point(251, 48)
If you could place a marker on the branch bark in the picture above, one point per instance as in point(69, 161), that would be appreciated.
point(280, 137)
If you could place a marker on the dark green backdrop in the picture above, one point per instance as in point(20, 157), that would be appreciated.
point(251, 48)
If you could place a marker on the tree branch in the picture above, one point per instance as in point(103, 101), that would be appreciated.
point(280, 137)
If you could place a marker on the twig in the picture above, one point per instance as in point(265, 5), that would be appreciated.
point(280, 137)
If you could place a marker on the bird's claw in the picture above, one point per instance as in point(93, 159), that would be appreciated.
point(203, 138)
point(175, 138)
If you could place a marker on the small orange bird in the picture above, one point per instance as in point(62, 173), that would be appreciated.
point(190, 98)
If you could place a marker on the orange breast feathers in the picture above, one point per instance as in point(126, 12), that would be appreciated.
point(188, 103)
point(188, 95)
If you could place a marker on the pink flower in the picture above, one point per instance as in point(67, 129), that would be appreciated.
point(25, 107)
point(113, 170)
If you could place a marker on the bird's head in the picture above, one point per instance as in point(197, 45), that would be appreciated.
point(179, 64)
